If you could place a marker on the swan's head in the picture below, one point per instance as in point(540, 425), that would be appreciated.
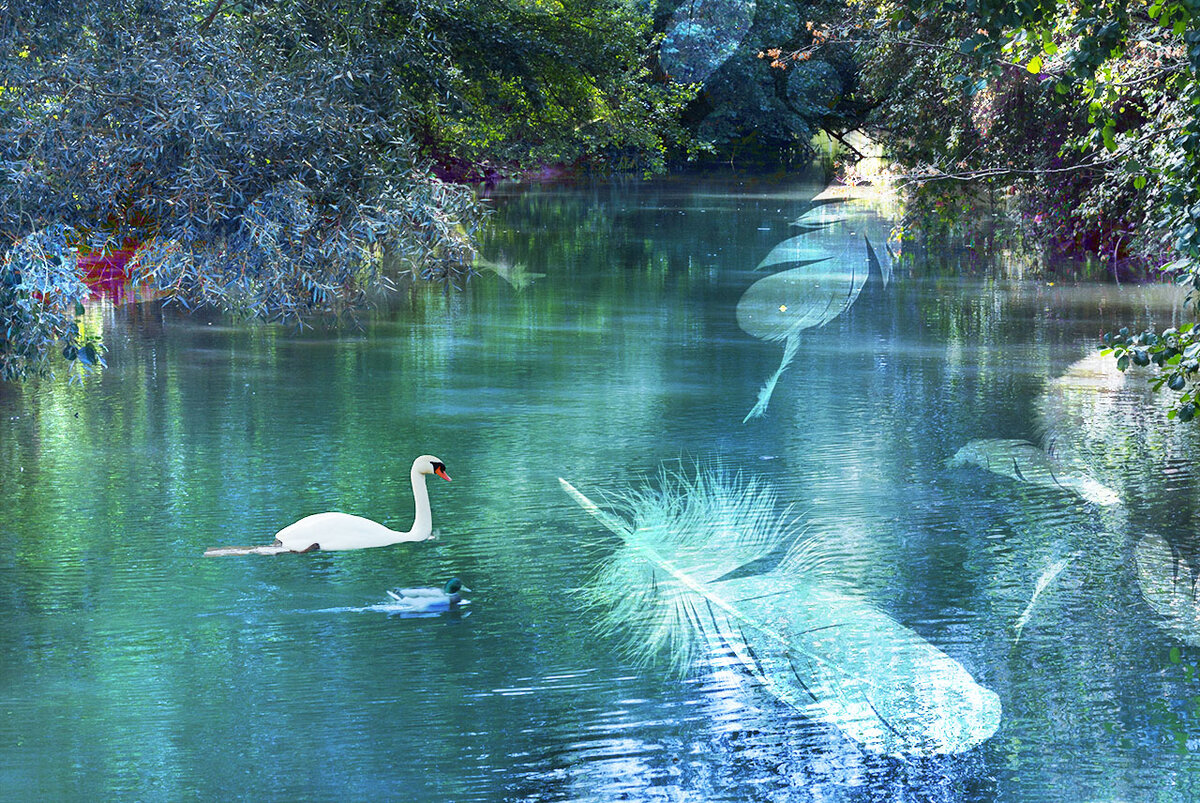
point(428, 464)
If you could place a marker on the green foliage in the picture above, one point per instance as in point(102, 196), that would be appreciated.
point(500, 86)
point(1075, 111)
point(1175, 352)
point(1083, 116)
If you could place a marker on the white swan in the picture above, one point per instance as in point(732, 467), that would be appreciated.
point(332, 531)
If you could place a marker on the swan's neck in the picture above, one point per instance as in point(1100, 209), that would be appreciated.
point(422, 527)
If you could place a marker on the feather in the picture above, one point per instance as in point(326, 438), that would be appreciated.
point(1024, 462)
point(1047, 577)
point(829, 265)
point(693, 577)
point(1168, 585)
point(768, 389)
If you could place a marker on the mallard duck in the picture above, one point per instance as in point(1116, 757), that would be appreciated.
point(445, 598)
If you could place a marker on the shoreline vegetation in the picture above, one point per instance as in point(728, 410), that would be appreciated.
point(287, 164)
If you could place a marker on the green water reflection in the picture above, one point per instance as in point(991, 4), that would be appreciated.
point(134, 669)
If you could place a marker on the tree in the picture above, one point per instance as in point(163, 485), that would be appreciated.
point(264, 160)
point(1083, 113)
point(503, 87)
point(272, 159)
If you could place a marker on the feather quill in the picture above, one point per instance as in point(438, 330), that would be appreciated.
point(694, 576)
point(1047, 577)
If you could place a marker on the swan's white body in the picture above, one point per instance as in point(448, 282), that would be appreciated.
point(330, 531)
point(338, 531)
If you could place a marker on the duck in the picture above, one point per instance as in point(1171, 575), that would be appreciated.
point(342, 531)
point(429, 600)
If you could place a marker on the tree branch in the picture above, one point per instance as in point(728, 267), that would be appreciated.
point(937, 174)
point(212, 15)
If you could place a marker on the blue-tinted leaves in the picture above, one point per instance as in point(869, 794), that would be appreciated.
point(197, 144)
point(702, 35)
point(38, 302)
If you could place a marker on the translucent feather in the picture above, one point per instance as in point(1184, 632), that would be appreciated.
point(1024, 462)
point(711, 565)
point(1169, 586)
point(828, 267)
point(1047, 577)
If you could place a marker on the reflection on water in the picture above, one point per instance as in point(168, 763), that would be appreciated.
point(833, 258)
point(135, 669)
point(709, 564)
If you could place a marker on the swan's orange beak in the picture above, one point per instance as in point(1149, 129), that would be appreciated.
point(441, 472)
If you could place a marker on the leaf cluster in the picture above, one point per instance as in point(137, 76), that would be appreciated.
point(1175, 352)
point(40, 300)
point(262, 153)
point(1085, 116)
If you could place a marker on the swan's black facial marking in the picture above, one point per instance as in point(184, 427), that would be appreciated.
point(440, 470)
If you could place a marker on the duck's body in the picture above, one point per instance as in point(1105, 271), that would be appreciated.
point(339, 531)
point(416, 602)
point(430, 600)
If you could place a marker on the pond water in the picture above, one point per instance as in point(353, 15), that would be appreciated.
point(603, 347)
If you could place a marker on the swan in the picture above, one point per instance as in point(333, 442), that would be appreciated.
point(335, 531)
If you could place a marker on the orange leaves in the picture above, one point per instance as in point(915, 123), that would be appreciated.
point(774, 55)
point(820, 36)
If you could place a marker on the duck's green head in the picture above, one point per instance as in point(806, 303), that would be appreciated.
point(454, 586)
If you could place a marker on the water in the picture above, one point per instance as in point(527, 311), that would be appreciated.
point(135, 669)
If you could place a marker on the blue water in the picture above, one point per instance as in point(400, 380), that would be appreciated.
point(608, 349)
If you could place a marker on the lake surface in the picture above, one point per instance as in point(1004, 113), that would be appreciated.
point(605, 349)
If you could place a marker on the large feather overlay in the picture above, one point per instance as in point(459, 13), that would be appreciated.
point(710, 565)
